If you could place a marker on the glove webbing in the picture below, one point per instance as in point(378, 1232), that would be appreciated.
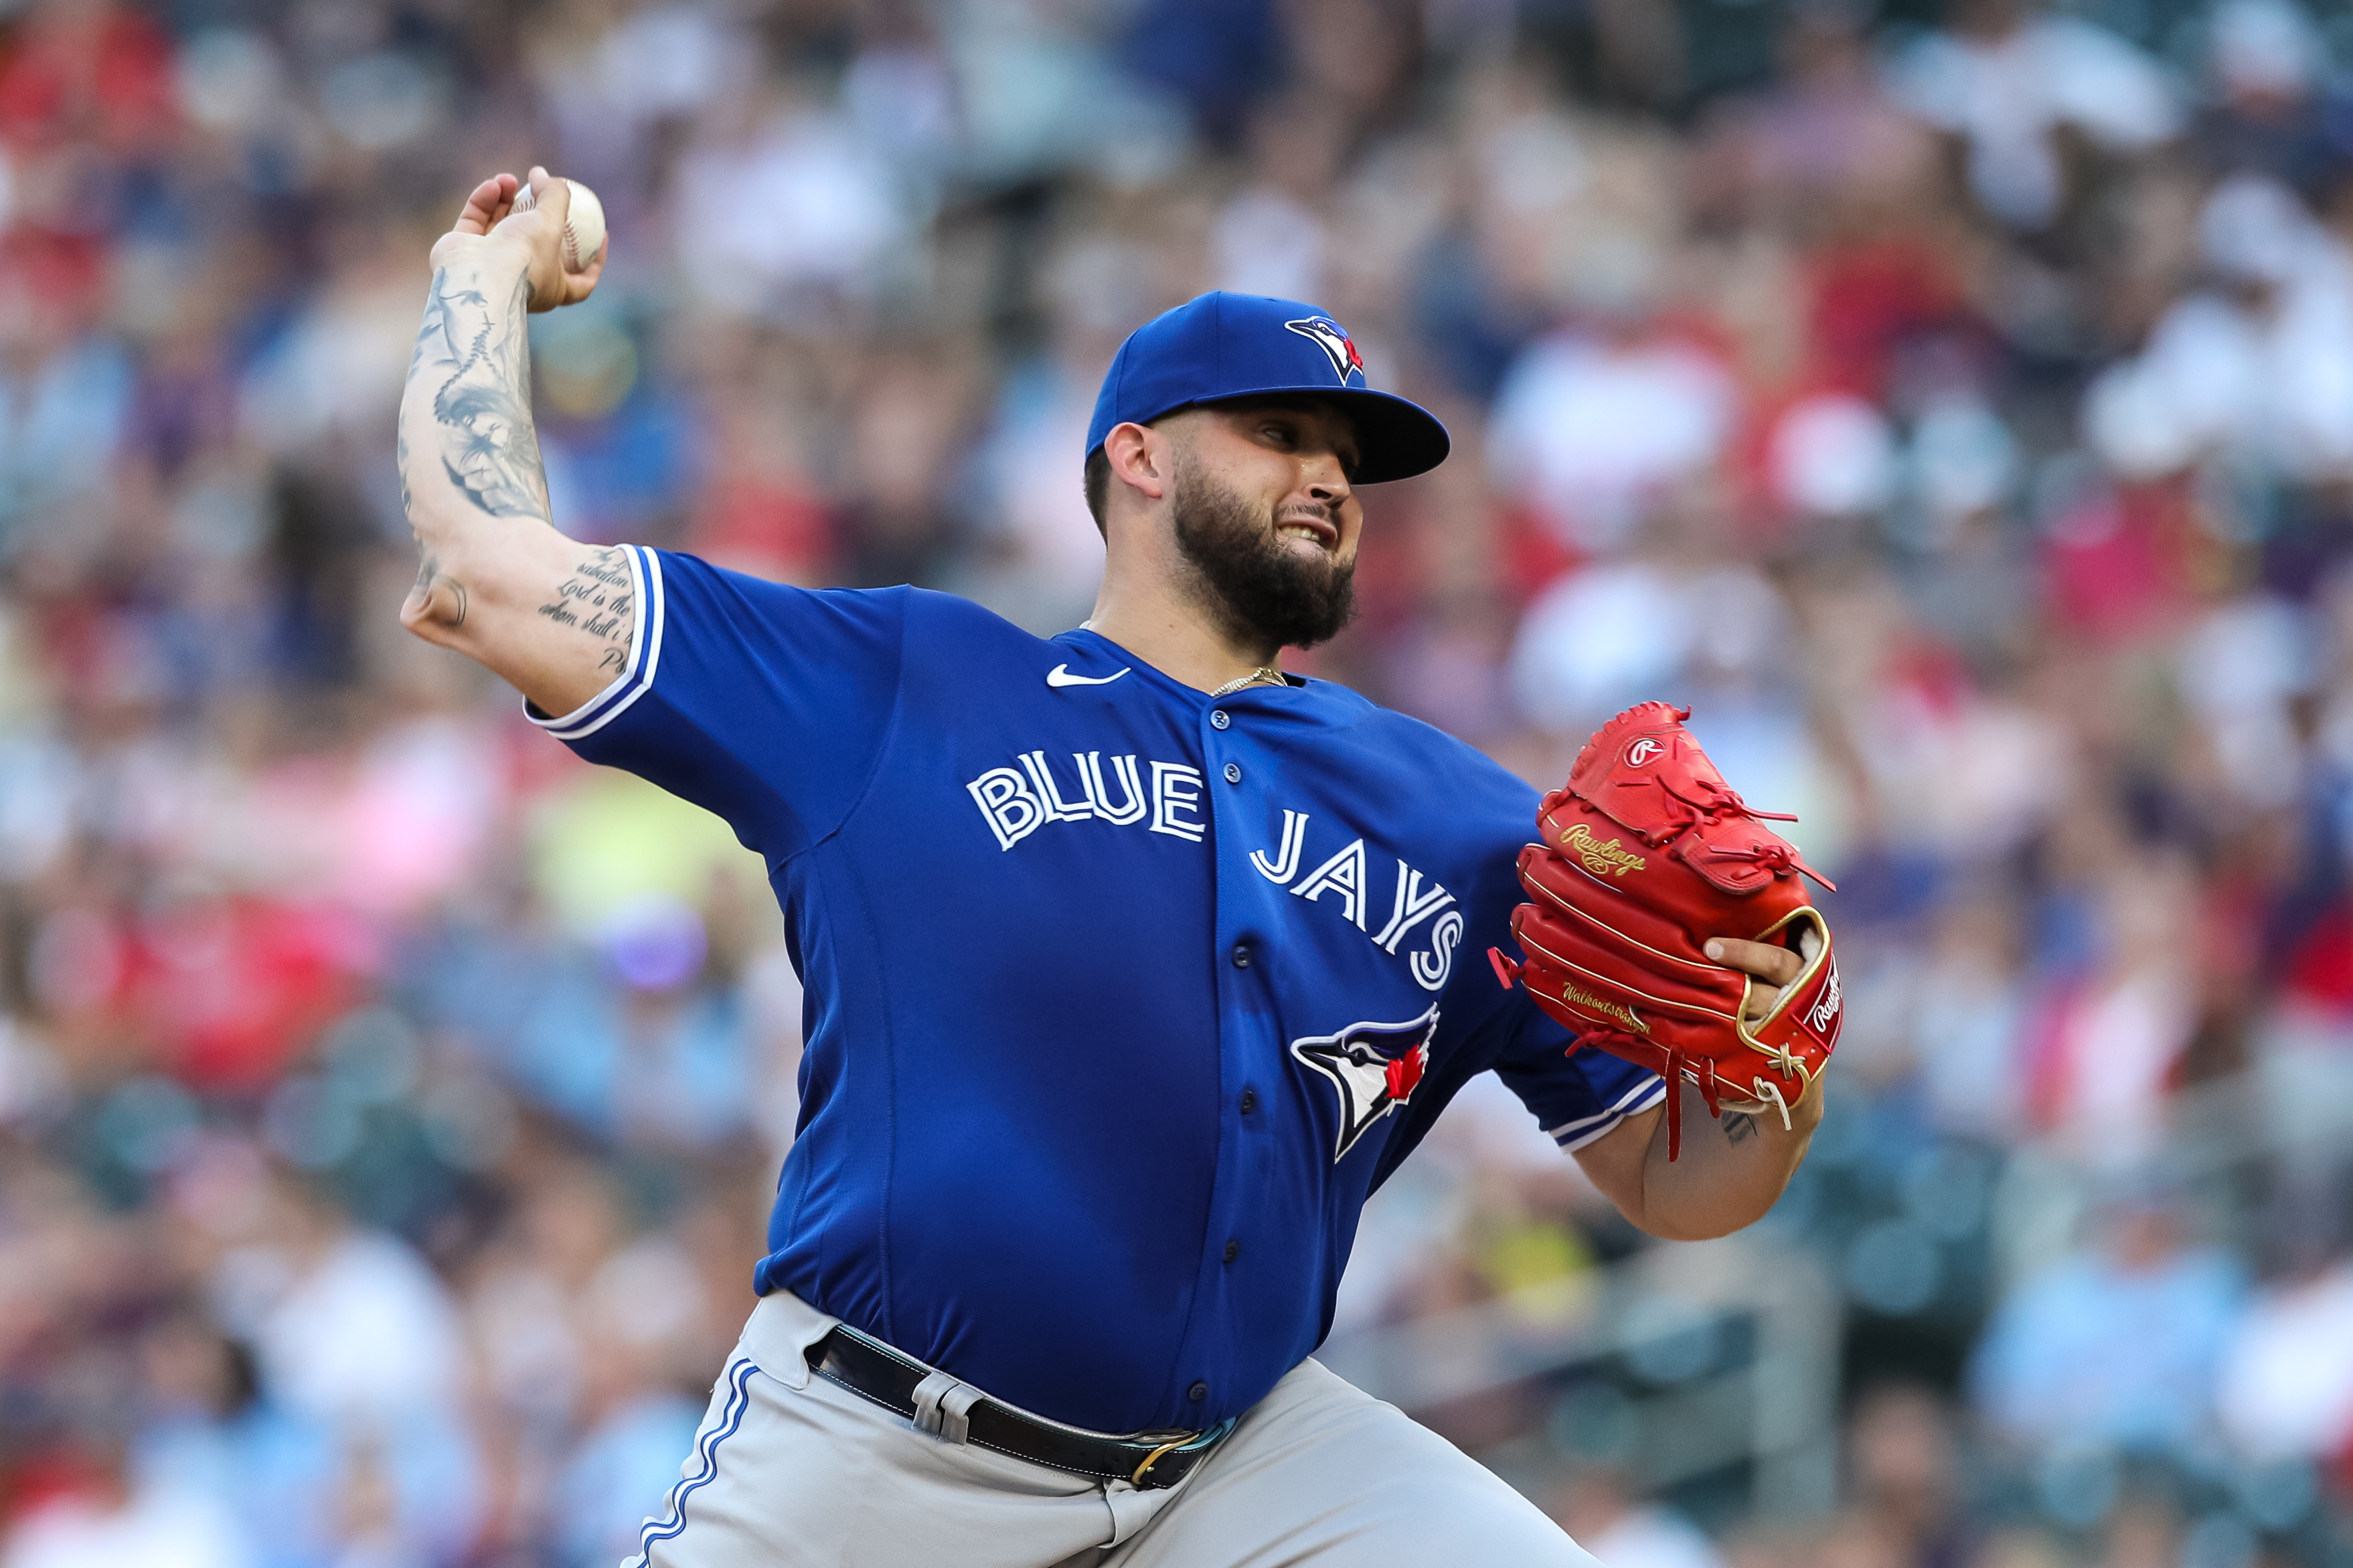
point(1715, 800)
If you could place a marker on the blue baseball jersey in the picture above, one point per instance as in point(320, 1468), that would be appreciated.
point(1121, 999)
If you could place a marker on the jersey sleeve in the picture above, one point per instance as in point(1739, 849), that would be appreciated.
point(765, 704)
point(1576, 1099)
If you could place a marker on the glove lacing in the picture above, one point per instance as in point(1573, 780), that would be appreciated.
point(1677, 1069)
point(1712, 803)
point(1715, 800)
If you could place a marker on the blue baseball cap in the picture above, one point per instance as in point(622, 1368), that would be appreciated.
point(1225, 347)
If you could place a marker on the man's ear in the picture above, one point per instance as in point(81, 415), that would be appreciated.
point(1140, 458)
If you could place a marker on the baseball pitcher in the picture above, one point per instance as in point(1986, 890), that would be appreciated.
point(1134, 964)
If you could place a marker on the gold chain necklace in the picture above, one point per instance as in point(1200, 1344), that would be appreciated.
point(1264, 675)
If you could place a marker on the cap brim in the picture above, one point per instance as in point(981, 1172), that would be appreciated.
point(1396, 438)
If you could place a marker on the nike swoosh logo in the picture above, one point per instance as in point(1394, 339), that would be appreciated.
point(1060, 676)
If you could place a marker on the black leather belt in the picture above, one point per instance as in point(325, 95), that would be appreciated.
point(956, 1412)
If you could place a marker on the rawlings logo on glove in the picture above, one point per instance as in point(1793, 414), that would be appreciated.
point(1648, 853)
point(1603, 860)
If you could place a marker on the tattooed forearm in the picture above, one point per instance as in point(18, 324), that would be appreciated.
point(595, 599)
point(496, 580)
point(474, 361)
point(1738, 1129)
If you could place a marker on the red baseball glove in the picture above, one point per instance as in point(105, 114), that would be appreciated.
point(1648, 853)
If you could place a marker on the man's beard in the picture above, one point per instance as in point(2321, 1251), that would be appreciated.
point(1252, 581)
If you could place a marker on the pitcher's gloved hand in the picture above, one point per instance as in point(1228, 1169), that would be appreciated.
point(1647, 854)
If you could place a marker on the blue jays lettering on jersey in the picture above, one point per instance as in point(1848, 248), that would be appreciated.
point(1120, 998)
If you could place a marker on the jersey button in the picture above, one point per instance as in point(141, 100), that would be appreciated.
point(1197, 1393)
point(1242, 955)
point(1219, 718)
point(1234, 1250)
point(1233, 773)
point(1249, 1101)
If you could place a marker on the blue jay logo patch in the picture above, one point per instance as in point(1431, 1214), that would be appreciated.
point(1333, 338)
point(1374, 1068)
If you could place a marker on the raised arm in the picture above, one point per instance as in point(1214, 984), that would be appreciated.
point(496, 580)
point(1731, 1171)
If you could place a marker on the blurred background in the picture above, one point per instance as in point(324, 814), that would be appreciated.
point(1953, 401)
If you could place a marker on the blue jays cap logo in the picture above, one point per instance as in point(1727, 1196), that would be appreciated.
point(1374, 1068)
point(1333, 338)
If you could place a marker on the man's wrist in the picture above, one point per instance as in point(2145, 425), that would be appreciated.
point(1806, 1111)
point(1804, 1115)
point(491, 265)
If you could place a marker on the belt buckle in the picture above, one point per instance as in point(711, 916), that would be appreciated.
point(1156, 1454)
point(1207, 1439)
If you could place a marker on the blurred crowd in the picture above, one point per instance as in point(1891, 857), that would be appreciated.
point(1953, 404)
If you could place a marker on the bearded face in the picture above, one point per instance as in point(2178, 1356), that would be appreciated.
point(1260, 588)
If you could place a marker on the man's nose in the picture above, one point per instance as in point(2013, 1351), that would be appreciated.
point(1327, 481)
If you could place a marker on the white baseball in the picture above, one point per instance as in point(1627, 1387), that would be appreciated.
point(584, 230)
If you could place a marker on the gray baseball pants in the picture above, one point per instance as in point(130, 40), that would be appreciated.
point(790, 1469)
